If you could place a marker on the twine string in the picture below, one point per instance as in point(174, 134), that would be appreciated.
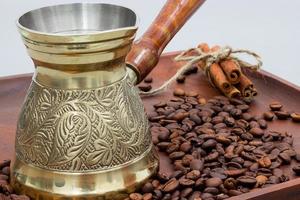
point(209, 58)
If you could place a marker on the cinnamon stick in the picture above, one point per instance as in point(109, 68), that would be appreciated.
point(232, 70)
point(219, 79)
point(246, 86)
point(233, 93)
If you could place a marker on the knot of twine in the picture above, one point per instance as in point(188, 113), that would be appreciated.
point(209, 58)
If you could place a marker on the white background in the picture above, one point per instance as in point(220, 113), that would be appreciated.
point(270, 28)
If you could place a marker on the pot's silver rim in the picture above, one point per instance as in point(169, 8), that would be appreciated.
point(21, 27)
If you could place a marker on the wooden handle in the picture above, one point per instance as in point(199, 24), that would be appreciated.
point(145, 52)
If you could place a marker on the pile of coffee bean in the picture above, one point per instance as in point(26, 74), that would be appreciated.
point(6, 191)
point(218, 149)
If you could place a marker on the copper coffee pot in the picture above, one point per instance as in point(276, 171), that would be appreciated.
point(82, 131)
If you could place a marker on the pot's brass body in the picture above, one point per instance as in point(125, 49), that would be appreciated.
point(82, 131)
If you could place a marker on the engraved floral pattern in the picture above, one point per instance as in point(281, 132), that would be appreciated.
point(82, 130)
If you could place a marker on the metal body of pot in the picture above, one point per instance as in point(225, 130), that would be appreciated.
point(82, 132)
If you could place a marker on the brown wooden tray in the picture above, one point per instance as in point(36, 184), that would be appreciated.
point(270, 87)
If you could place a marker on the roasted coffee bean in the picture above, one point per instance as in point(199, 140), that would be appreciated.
point(236, 113)
point(275, 106)
point(265, 162)
point(260, 180)
point(145, 87)
point(213, 182)
point(136, 196)
point(193, 175)
point(191, 70)
point(197, 164)
point(147, 188)
point(178, 92)
point(256, 132)
point(234, 192)
point(277, 172)
point(282, 115)
point(147, 196)
point(186, 182)
point(180, 79)
point(211, 190)
point(6, 170)
point(296, 169)
point(222, 196)
point(247, 116)
point(235, 172)
point(230, 183)
point(285, 157)
point(186, 192)
point(171, 185)
point(4, 163)
point(247, 181)
point(148, 79)
point(163, 177)
point(209, 144)
point(269, 116)
point(206, 196)
point(157, 194)
point(295, 117)
point(262, 123)
point(247, 136)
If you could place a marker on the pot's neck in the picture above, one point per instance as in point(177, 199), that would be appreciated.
point(79, 61)
point(80, 77)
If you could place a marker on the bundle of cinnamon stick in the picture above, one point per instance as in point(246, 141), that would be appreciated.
point(226, 75)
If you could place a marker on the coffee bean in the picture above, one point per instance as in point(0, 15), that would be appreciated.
point(234, 192)
point(275, 106)
point(213, 182)
point(212, 157)
point(136, 196)
point(193, 175)
point(147, 196)
point(247, 181)
point(285, 157)
point(6, 170)
point(257, 132)
point(296, 169)
point(176, 155)
point(282, 114)
point(191, 70)
point(211, 190)
point(260, 180)
point(147, 188)
point(178, 92)
point(230, 183)
point(186, 182)
point(186, 192)
point(269, 116)
point(295, 117)
point(229, 121)
point(211, 143)
point(262, 123)
point(171, 185)
point(247, 116)
point(157, 194)
point(197, 164)
point(163, 177)
point(247, 136)
point(264, 162)
point(236, 113)
point(235, 172)
point(145, 87)
point(180, 79)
